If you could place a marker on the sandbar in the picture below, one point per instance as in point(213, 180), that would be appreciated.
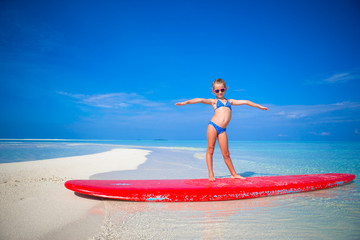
point(34, 202)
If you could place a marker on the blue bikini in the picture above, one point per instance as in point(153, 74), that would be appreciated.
point(217, 128)
point(218, 105)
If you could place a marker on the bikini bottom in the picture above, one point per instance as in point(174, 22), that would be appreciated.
point(217, 128)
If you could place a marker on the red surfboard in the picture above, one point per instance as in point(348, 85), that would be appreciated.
point(205, 190)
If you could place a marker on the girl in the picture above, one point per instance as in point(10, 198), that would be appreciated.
point(217, 126)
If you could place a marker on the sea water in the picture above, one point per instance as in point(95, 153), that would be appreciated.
point(325, 214)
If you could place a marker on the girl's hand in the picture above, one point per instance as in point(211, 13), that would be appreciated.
point(263, 108)
point(180, 104)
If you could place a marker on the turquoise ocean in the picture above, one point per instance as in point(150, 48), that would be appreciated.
point(325, 214)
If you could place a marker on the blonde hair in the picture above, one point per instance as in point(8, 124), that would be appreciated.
point(219, 81)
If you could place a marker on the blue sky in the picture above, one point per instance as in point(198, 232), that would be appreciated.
point(115, 69)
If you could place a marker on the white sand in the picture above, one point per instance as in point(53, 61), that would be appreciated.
point(34, 201)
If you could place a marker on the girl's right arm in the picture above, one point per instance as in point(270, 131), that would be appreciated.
point(195, 100)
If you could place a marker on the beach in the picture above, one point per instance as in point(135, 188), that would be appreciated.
point(36, 205)
point(34, 201)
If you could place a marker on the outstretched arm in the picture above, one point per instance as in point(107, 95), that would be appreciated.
point(195, 100)
point(247, 102)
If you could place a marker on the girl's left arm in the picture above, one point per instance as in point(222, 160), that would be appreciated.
point(247, 102)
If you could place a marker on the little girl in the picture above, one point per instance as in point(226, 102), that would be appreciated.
point(218, 123)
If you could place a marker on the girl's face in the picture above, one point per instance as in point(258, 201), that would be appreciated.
point(219, 90)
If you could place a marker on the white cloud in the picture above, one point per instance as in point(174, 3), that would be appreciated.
point(114, 100)
point(341, 77)
point(335, 78)
point(321, 134)
point(309, 111)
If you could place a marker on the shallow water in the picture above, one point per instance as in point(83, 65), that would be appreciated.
point(325, 214)
point(299, 216)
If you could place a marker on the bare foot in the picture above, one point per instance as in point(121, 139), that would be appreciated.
point(211, 179)
point(237, 176)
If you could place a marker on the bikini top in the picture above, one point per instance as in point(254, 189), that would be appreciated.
point(220, 104)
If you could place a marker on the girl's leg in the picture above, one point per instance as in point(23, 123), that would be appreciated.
point(224, 146)
point(211, 140)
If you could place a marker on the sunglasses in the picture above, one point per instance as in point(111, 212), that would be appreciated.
point(219, 90)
